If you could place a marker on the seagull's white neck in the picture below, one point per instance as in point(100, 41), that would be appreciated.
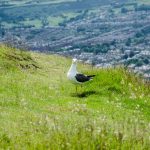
point(73, 67)
point(72, 73)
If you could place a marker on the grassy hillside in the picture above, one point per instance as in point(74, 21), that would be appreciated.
point(40, 109)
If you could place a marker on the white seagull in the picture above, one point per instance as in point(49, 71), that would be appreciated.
point(75, 77)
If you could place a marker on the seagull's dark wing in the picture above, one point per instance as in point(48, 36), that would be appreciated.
point(83, 78)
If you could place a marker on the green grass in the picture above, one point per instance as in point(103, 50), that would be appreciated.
point(70, 15)
point(36, 23)
point(54, 21)
point(144, 2)
point(40, 109)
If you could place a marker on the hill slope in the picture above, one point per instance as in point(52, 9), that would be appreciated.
point(39, 108)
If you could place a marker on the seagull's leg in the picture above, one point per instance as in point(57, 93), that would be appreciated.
point(81, 88)
point(76, 88)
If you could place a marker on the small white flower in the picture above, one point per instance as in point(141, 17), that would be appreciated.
point(133, 96)
point(122, 82)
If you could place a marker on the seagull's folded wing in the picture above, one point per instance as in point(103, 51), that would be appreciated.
point(82, 78)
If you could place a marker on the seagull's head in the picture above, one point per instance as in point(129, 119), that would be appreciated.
point(74, 60)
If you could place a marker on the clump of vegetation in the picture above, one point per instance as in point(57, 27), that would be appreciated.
point(11, 57)
point(41, 110)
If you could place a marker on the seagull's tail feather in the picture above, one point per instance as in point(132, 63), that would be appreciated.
point(91, 77)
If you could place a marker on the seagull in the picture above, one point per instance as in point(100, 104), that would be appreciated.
point(75, 77)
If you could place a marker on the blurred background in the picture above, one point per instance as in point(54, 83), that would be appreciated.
point(102, 33)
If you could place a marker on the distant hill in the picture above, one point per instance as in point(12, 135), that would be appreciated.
point(102, 33)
